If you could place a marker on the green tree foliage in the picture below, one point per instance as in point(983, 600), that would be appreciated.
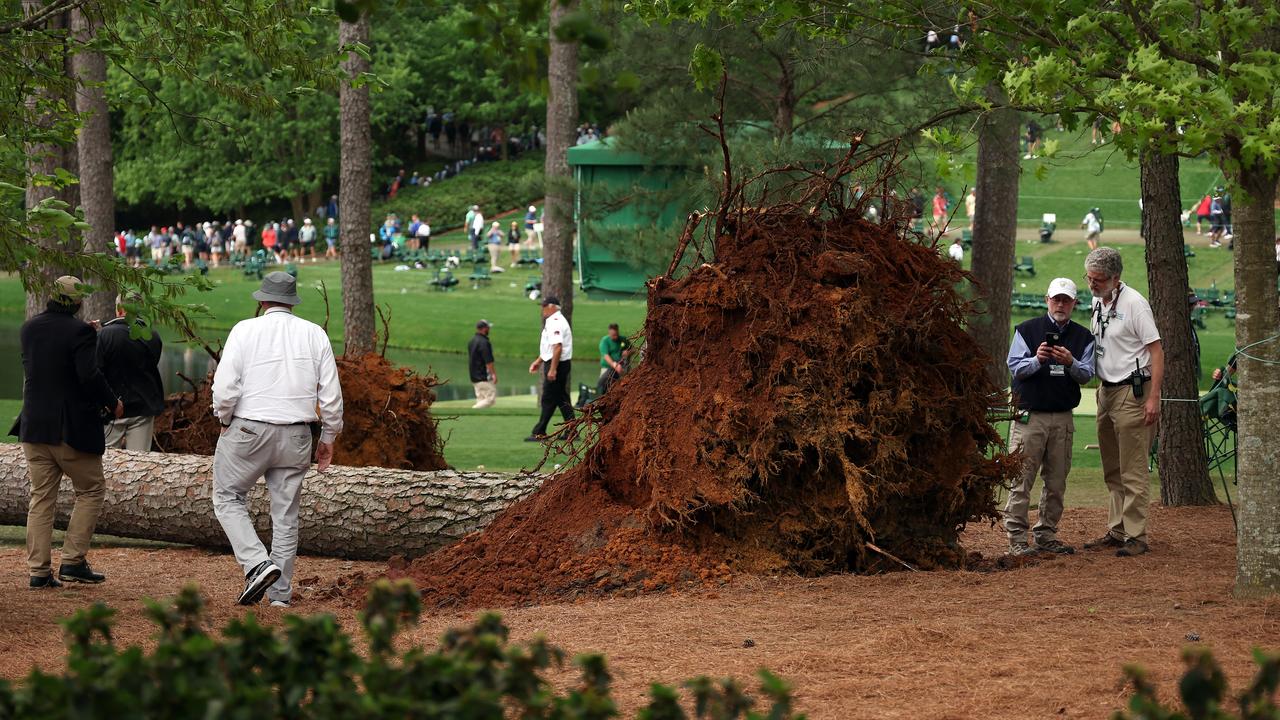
point(1203, 690)
point(213, 151)
point(310, 669)
point(161, 36)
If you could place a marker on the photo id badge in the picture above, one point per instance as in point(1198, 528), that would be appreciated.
point(1057, 370)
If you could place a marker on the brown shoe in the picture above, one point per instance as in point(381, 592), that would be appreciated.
point(1131, 548)
point(1056, 546)
point(1106, 542)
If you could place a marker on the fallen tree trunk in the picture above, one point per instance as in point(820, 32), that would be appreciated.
point(358, 513)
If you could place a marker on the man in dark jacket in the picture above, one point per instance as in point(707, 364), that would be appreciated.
point(1050, 357)
point(131, 368)
point(64, 400)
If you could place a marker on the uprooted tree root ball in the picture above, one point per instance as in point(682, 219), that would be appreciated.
point(386, 416)
point(808, 402)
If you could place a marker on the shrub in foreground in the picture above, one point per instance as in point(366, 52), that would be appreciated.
point(310, 669)
point(1203, 690)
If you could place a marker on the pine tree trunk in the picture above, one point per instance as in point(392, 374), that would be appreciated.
point(1184, 471)
point(1257, 319)
point(97, 180)
point(562, 116)
point(298, 206)
point(353, 200)
point(44, 159)
point(995, 226)
point(359, 513)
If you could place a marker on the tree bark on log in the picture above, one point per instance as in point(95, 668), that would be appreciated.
point(1184, 471)
point(357, 513)
point(995, 226)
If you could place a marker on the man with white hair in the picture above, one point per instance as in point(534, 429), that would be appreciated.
point(1131, 367)
point(1050, 357)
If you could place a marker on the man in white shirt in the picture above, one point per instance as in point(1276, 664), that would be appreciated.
point(1129, 360)
point(957, 251)
point(554, 353)
point(275, 370)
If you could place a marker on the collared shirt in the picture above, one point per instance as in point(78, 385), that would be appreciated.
point(277, 368)
point(1023, 362)
point(1123, 330)
point(555, 331)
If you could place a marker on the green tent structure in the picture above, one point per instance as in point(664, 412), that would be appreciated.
point(607, 210)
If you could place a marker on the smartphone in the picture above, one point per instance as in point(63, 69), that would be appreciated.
point(1052, 339)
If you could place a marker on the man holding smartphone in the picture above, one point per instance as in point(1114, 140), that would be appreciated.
point(1050, 357)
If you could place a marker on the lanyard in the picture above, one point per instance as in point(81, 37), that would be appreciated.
point(1103, 319)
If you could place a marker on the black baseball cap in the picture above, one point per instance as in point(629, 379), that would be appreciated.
point(550, 300)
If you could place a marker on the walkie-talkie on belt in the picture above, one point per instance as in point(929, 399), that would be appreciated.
point(1136, 378)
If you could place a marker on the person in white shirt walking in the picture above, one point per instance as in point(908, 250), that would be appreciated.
point(956, 251)
point(554, 355)
point(275, 370)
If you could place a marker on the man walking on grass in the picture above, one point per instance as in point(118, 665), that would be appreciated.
point(64, 400)
point(554, 354)
point(1050, 357)
point(276, 369)
point(484, 376)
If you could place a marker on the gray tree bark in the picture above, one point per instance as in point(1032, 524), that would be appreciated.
point(562, 116)
point(358, 327)
point(995, 226)
point(1257, 318)
point(97, 180)
point(358, 513)
point(1184, 470)
point(45, 158)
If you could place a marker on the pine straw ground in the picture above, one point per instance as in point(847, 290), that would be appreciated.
point(1047, 640)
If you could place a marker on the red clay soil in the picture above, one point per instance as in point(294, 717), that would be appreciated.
point(386, 416)
point(1046, 641)
point(808, 403)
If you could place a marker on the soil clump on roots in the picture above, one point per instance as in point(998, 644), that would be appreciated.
point(386, 413)
point(808, 402)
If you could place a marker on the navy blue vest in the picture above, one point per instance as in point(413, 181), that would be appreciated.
point(1042, 391)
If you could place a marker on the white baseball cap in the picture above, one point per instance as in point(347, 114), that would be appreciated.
point(1062, 286)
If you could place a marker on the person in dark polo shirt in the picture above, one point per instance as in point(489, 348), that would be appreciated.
point(1050, 357)
point(484, 377)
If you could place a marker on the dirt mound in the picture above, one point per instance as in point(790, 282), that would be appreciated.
point(386, 416)
point(808, 402)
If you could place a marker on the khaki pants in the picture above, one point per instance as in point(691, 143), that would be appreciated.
point(1045, 443)
point(1125, 441)
point(47, 464)
point(131, 433)
point(281, 454)
point(486, 394)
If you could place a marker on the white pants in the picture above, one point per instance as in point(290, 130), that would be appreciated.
point(486, 394)
point(131, 433)
point(249, 450)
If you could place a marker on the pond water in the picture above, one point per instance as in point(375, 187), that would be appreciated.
point(194, 363)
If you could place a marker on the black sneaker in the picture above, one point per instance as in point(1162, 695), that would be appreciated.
point(257, 582)
point(44, 581)
point(1056, 546)
point(1131, 548)
point(80, 572)
point(1106, 542)
point(536, 438)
